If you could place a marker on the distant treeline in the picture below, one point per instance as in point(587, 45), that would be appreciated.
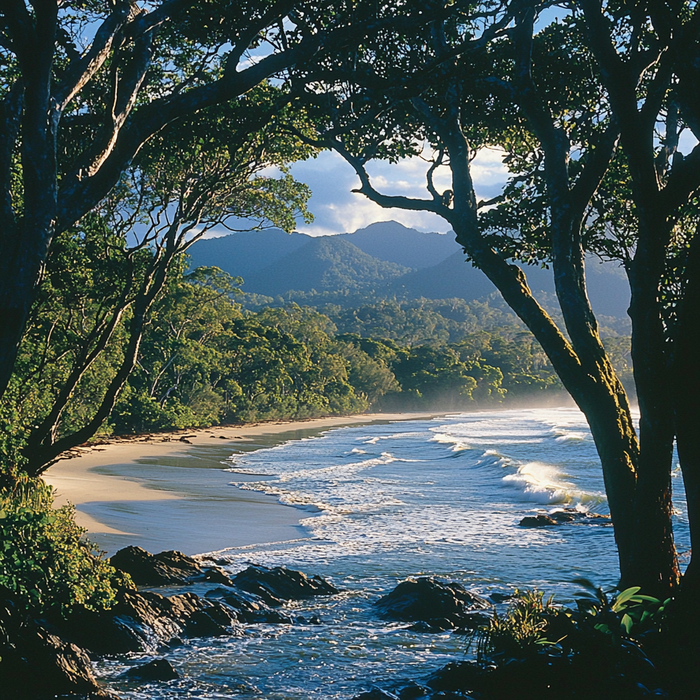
point(204, 359)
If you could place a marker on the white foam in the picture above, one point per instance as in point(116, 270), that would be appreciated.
point(544, 483)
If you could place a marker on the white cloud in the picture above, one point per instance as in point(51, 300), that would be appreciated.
point(337, 209)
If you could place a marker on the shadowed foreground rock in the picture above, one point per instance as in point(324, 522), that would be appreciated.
point(37, 665)
point(45, 659)
point(441, 605)
point(146, 621)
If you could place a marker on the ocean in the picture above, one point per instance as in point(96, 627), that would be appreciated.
point(382, 502)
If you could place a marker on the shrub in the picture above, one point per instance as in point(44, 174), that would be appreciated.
point(44, 564)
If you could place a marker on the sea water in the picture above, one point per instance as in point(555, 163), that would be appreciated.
point(441, 497)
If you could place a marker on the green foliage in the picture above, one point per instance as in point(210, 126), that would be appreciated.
point(521, 630)
point(44, 563)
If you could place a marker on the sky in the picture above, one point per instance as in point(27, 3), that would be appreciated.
point(337, 209)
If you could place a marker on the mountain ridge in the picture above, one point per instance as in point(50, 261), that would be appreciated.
point(382, 260)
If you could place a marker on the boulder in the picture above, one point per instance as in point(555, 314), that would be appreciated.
point(249, 607)
point(278, 585)
point(146, 621)
point(156, 670)
point(376, 694)
point(458, 676)
point(429, 600)
point(35, 663)
point(216, 575)
point(537, 521)
point(162, 569)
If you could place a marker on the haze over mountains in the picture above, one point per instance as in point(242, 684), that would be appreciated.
point(384, 260)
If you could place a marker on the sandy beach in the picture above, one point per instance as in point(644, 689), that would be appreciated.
point(170, 490)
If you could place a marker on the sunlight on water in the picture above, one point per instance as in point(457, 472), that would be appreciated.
point(383, 502)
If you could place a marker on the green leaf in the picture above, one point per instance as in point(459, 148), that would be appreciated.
point(624, 597)
point(626, 623)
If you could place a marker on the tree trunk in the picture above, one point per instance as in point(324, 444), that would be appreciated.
point(686, 395)
point(656, 565)
point(22, 255)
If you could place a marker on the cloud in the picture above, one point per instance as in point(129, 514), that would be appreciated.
point(337, 209)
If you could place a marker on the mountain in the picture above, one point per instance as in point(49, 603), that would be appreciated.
point(245, 252)
point(382, 260)
point(394, 242)
point(454, 277)
point(324, 264)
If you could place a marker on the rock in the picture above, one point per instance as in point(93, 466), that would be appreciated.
point(458, 676)
point(432, 627)
point(473, 621)
point(411, 690)
point(501, 597)
point(537, 521)
point(157, 670)
point(430, 600)
point(161, 569)
point(35, 663)
point(376, 694)
point(216, 575)
point(557, 517)
point(249, 607)
point(277, 585)
point(145, 621)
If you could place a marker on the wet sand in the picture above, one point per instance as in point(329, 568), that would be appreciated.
point(171, 491)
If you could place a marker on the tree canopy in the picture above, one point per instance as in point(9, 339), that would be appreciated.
point(589, 104)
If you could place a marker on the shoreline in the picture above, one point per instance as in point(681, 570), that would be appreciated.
point(170, 491)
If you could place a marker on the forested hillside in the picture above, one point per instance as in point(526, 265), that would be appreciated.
point(383, 261)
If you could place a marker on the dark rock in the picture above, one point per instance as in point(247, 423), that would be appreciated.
point(145, 621)
point(473, 621)
point(457, 676)
point(157, 670)
point(161, 569)
point(501, 597)
point(34, 663)
point(217, 575)
point(280, 584)
point(411, 691)
point(376, 694)
point(431, 626)
point(249, 607)
point(428, 599)
point(558, 517)
point(562, 516)
point(537, 521)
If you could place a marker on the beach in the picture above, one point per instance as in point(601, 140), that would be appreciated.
point(171, 491)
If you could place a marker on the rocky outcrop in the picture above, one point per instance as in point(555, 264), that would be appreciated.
point(146, 621)
point(559, 517)
point(537, 521)
point(37, 664)
point(249, 608)
point(441, 605)
point(279, 584)
point(162, 569)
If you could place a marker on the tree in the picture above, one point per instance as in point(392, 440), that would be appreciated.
point(74, 115)
point(568, 103)
point(104, 275)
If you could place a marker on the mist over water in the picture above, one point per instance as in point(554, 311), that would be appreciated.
point(386, 501)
